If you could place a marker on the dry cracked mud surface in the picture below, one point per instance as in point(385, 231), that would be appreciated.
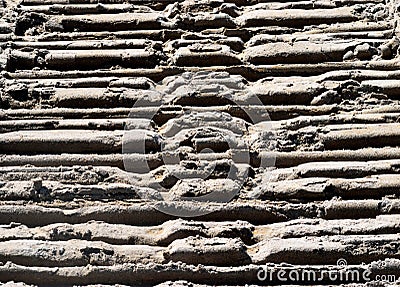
point(316, 177)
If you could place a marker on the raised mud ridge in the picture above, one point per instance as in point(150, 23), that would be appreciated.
point(327, 78)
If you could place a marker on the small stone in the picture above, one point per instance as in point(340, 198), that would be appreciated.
point(364, 51)
point(348, 56)
point(385, 52)
point(37, 184)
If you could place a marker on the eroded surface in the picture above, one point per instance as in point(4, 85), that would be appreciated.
point(326, 74)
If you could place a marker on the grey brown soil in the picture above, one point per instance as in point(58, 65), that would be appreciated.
point(327, 75)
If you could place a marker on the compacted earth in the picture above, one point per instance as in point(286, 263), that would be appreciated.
point(199, 143)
